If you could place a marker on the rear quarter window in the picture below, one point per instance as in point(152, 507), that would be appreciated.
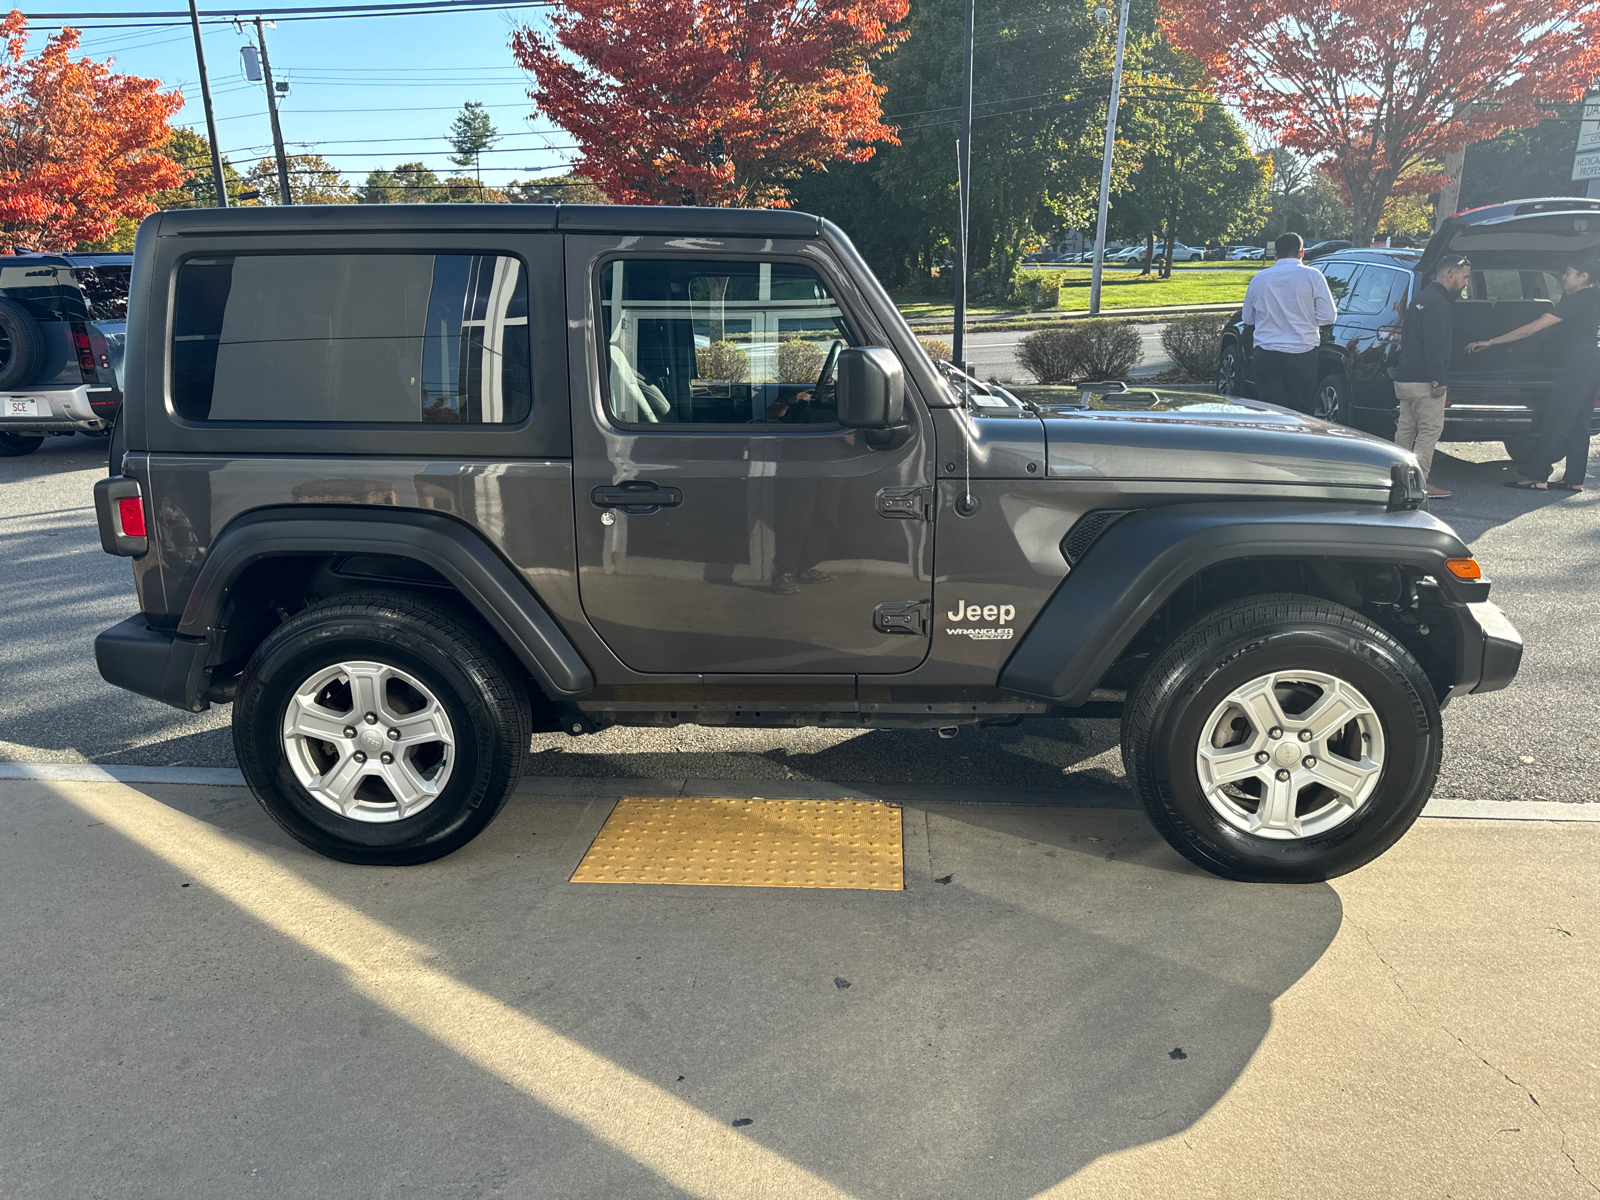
point(368, 338)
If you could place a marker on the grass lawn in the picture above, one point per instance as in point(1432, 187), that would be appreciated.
point(1120, 288)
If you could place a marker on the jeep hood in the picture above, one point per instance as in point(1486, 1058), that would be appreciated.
point(1160, 435)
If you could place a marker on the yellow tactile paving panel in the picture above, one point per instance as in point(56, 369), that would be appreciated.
point(748, 843)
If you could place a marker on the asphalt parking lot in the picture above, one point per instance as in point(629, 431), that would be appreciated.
point(1534, 741)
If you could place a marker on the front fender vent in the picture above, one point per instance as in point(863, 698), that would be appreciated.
point(1087, 530)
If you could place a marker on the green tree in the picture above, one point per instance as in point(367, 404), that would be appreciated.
point(312, 180)
point(471, 133)
point(409, 183)
point(193, 152)
point(568, 189)
point(1520, 163)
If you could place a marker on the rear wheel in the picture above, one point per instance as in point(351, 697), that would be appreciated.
point(381, 728)
point(13, 445)
point(1282, 739)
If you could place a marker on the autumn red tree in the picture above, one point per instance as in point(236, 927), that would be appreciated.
point(1379, 87)
point(716, 102)
point(77, 143)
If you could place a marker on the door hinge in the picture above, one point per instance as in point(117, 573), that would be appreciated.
point(907, 503)
point(902, 616)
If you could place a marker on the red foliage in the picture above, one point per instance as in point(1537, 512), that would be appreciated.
point(1381, 85)
point(714, 102)
point(76, 143)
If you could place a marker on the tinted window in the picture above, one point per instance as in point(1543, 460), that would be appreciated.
point(1506, 284)
point(106, 290)
point(718, 342)
point(1339, 276)
point(1375, 291)
point(410, 338)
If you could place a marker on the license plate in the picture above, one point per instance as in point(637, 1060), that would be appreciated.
point(16, 406)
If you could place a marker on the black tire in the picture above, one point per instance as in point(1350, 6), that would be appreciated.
point(1521, 449)
point(1332, 402)
point(1230, 369)
point(1224, 650)
point(15, 445)
point(442, 647)
point(21, 346)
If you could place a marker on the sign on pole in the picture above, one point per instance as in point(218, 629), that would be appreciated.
point(1586, 162)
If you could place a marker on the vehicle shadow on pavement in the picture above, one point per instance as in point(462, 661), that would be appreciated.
point(1053, 985)
point(1476, 474)
point(1037, 753)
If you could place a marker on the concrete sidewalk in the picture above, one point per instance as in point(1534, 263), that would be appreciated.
point(1056, 1006)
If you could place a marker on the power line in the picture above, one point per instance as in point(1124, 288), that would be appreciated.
point(231, 14)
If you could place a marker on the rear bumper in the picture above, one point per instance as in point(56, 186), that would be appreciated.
point(80, 409)
point(162, 666)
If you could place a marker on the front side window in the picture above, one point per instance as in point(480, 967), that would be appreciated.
point(393, 338)
point(1339, 276)
point(1374, 291)
point(718, 342)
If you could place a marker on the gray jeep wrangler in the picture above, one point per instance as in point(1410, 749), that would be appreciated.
point(406, 483)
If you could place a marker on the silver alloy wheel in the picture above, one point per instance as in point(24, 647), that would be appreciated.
point(368, 741)
point(1327, 403)
point(1290, 755)
point(1228, 371)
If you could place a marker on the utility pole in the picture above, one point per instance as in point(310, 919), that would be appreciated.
point(1105, 162)
point(964, 190)
point(284, 196)
point(211, 121)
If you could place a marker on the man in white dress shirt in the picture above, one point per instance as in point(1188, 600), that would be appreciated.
point(1285, 307)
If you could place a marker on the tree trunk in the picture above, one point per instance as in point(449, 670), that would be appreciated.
point(1149, 253)
point(1171, 237)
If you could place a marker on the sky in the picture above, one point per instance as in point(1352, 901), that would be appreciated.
point(364, 93)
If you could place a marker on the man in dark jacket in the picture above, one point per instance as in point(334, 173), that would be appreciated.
point(1422, 378)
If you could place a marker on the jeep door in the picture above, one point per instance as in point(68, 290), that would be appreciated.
point(726, 521)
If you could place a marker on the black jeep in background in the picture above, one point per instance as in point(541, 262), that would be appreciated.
point(1517, 250)
point(63, 322)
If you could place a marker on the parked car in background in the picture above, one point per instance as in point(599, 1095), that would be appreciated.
point(1182, 253)
point(1216, 253)
point(1518, 251)
point(1319, 249)
point(1247, 253)
point(63, 322)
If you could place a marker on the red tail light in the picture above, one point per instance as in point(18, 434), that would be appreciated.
point(130, 510)
point(80, 343)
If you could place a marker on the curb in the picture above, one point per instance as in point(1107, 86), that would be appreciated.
point(596, 787)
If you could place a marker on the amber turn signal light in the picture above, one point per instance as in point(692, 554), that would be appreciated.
point(1464, 568)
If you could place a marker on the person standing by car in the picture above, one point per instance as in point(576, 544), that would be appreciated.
point(1285, 307)
point(1564, 428)
point(1427, 334)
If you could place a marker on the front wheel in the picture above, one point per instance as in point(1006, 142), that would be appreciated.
point(1282, 739)
point(1230, 369)
point(1333, 400)
point(381, 728)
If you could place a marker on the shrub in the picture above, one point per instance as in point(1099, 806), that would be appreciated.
point(722, 361)
point(798, 362)
point(937, 350)
point(1039, 289)
point(1194, 342)
point(1094, 349)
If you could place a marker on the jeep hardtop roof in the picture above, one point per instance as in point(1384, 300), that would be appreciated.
point(575, 218)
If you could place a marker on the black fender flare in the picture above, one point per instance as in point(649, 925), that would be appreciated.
point(1142, 559)
point(452, 548)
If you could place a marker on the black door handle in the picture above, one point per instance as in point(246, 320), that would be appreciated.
point(637, 496)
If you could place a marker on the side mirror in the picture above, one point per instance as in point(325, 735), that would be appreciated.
point(871, 389)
